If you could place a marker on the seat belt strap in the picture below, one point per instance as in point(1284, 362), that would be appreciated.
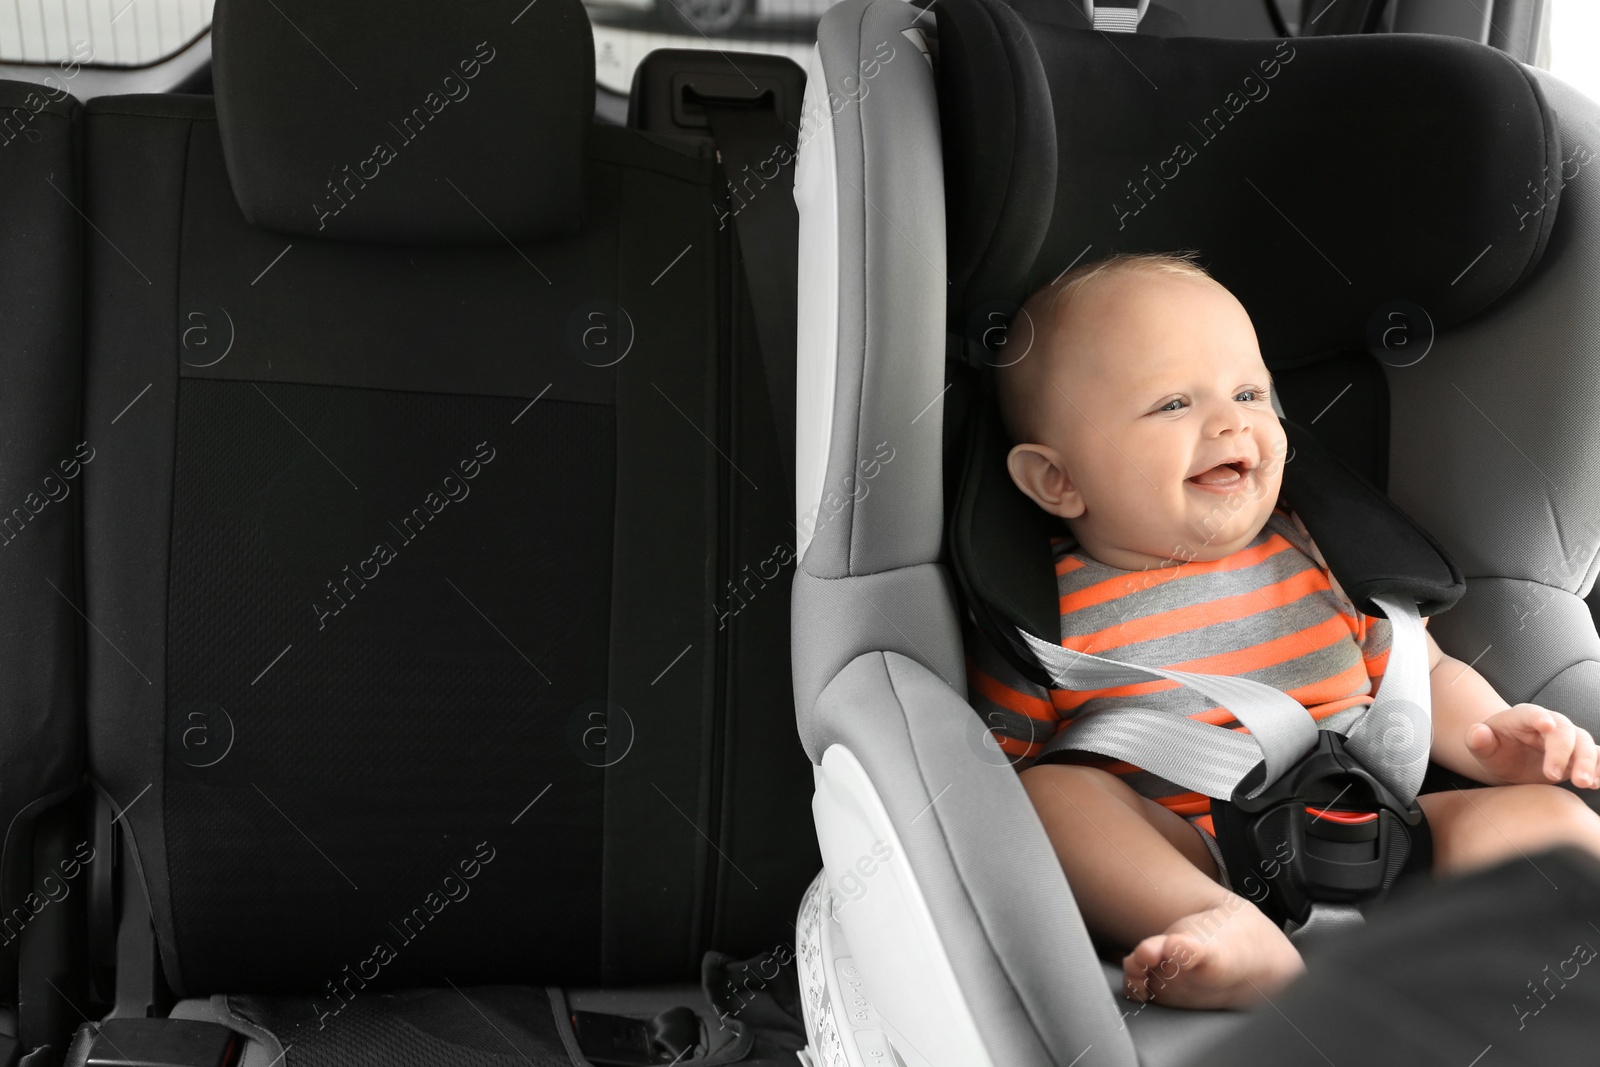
point(1210, 759)
point(1123, 17)
point(1198, 756)
point(1323, 920)
point(1391, 739)
point(758, 155)
point(137, 960)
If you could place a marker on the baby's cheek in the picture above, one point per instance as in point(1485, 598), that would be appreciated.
point(1277, 451)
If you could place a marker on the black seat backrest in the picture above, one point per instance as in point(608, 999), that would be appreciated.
point(413, 516)
point(43, 459)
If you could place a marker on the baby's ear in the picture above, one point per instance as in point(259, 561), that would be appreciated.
point(1039, 472)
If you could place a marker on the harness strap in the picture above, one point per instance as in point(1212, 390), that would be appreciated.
point(1324, 919)
point(1391, 738)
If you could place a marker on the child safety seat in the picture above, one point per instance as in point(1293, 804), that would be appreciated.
point(1311, 821)
point(1386, 210)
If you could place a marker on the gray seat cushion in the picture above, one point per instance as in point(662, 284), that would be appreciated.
point(1166, 1037)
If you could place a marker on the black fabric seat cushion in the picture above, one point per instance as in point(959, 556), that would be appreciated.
point(433, 678)
point(310, 787)
point(41, 465)
point(748, 1011)
point(496, 1026)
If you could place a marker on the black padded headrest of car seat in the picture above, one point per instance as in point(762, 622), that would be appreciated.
point(1000, 540)
point(406, 121)
point(1000, 550)
point(1322, 177)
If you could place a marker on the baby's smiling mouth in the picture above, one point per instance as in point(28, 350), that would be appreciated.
point(1222, 475)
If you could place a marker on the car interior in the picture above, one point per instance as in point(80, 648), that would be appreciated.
point(346, 348)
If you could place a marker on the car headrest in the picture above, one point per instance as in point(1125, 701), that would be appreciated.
point(1321, 178)
point(406, 121)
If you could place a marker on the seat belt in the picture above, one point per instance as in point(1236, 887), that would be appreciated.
point(1116, 18)
point(753, 143)
point(1391, 738)
point(1395, 735)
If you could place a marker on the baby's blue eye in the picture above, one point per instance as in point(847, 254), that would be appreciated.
point(1168, 405)
point(1252, 395)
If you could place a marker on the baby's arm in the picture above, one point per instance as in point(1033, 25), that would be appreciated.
point(1477, 734)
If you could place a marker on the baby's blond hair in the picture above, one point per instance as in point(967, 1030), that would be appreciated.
point(1022, 381)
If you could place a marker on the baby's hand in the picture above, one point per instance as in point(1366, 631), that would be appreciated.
point(1528, 744)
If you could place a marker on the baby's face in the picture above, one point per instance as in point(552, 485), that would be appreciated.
point(1159, 420)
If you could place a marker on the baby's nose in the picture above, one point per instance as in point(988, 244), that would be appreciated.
point(1230, 418)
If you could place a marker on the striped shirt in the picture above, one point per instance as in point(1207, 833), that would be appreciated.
point(1271, 612)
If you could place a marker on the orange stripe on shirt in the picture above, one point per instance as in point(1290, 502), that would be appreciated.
point(1269, 653)
point(1196, 616)
point(1073, 699)
point(1068, 564)
point(999, 693)
point(1243, 661)
point(1111, 588)
point(1015, 746)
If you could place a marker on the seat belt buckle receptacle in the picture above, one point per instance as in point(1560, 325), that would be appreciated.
point(1326, 831)
point(624, 1041)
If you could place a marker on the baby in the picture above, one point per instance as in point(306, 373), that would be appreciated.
point(1144, 419)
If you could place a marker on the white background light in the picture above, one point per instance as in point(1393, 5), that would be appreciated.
point(1575, 44)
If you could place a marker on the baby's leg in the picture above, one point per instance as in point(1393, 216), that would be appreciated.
point(1136, 869)
point(1475, 828)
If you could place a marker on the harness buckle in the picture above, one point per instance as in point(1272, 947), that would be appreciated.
point(1326, 832)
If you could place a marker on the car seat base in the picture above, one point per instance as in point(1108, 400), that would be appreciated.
point(842, 1027)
